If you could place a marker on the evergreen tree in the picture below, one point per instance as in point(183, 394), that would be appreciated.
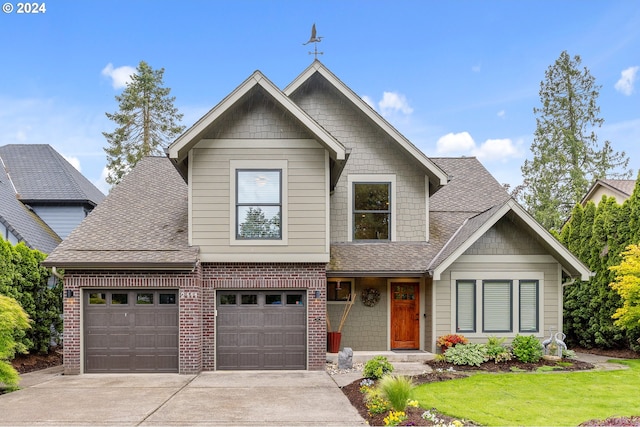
point(146, 122)
point(566, 155)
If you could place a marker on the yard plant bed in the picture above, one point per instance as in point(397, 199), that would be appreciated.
point(25, 363)
point(443, 371)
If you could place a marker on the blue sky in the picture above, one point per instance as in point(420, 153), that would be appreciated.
point(456, 77)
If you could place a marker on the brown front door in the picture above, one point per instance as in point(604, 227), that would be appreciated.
point(405, 316)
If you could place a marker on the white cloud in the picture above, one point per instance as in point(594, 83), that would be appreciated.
point(462, 144)
point(101, 182)
point(119, 76)
point(502, 114)
point(476, 68)
point(393, 102)
point(369, 101)
point(627, 80)
point(75, 162)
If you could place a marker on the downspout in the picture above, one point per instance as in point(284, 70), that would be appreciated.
point(54, 270)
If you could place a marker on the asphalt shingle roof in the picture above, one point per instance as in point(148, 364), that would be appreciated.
point(626, 186)
point(40, 173)
point(142, 223)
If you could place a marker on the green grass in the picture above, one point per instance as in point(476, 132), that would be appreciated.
point(531, 399)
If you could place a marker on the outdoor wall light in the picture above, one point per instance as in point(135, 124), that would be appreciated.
point(316, 294)
point(68, 293)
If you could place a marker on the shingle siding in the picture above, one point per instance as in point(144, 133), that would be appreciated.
point(504, 238)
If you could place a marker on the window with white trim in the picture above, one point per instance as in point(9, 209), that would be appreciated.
point(371, 207)
point(339, 290)
point(496, 306)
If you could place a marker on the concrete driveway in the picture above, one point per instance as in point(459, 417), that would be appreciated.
point(293, 398)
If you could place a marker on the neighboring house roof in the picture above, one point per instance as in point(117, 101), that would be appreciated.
point(435, 173)
point(21, 221)
point(142, 224)
point(40, 173)
point(621, 189)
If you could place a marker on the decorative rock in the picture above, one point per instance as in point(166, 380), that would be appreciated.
point(345, 358)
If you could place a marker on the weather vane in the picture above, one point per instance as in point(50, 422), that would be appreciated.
point(315, 40)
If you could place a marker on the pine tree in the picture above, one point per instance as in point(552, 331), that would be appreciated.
point(147, 122)
point(566, 155)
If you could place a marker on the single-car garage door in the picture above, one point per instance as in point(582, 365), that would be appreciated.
point(261, 330)
point(131, 330)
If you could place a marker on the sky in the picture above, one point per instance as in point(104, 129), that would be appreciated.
point(457, 78)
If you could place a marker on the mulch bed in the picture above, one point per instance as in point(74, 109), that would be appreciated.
point(441, 373)
point(25, 363)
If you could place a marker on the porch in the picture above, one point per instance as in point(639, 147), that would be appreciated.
point(413, 356)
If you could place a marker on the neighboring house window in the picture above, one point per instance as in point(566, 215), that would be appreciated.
point(258, 202)
point(371, 207)
point(339, 290)
point(498, 304)
point(466, 306)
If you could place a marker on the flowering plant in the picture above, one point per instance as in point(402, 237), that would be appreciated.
point(394, 418)
point(450, 340)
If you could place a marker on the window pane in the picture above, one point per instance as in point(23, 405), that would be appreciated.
point(529, 306)
point(249, 299)
point(97, 298)
point(119, 298)
point(259, 222)
point(258, 186)
point(496, 306)
point(466, 306)
point(227, 300)
point(167, 298)
point(144, 298)
point(295, 299)
point(338, 291)
point(371, 197)
point(371, 226)
point(273, 299)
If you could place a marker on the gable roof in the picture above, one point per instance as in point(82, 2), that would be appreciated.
point(178, 151)
point(40, 173)
point(21, 221)
point(436, 175)
point(621, 187)
point(142, 224)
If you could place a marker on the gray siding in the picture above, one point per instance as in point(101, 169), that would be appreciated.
point(62, 219)
point(505, 238)
point(373, 152)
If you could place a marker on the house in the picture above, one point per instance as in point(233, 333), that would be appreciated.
point(620, 189)
point(268, 213)
point(42, 196)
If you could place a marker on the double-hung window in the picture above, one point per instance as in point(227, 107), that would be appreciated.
point(259, 204)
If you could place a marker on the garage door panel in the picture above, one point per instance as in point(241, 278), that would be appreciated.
point(261, 330)
point(121, 337)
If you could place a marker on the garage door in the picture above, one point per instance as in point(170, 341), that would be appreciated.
point(131, 330)
point(261, 330)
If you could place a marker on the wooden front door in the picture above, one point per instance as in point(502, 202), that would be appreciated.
point(405, 316)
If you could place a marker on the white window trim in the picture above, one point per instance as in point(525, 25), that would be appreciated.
point(371, 178)
point(514, 277)
point(258, 164)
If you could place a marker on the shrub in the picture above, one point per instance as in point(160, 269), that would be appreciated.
point(496, 351)
point(527, 349)
point(397, 390)
point(467, 354)
point(451, 340)
point(14, 321)
point(377, 367)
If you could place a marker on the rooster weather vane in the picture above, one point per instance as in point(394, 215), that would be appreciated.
point(315, 40)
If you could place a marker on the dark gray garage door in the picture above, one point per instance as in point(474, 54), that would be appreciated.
point(261, 330)
point(131, 330)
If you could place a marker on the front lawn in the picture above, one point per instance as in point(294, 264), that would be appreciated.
point(526, 399)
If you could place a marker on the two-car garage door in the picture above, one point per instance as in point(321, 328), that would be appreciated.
point(138, 330)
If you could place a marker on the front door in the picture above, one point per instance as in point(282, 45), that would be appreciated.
point(405, 316)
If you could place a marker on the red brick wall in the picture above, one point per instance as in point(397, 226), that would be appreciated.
point(197, 305)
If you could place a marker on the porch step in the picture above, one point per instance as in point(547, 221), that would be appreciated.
point(392, 356)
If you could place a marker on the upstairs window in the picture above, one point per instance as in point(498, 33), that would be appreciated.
point(371, 211)
point(259, 204)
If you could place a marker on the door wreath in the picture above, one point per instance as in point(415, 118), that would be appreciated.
point(370, 297)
